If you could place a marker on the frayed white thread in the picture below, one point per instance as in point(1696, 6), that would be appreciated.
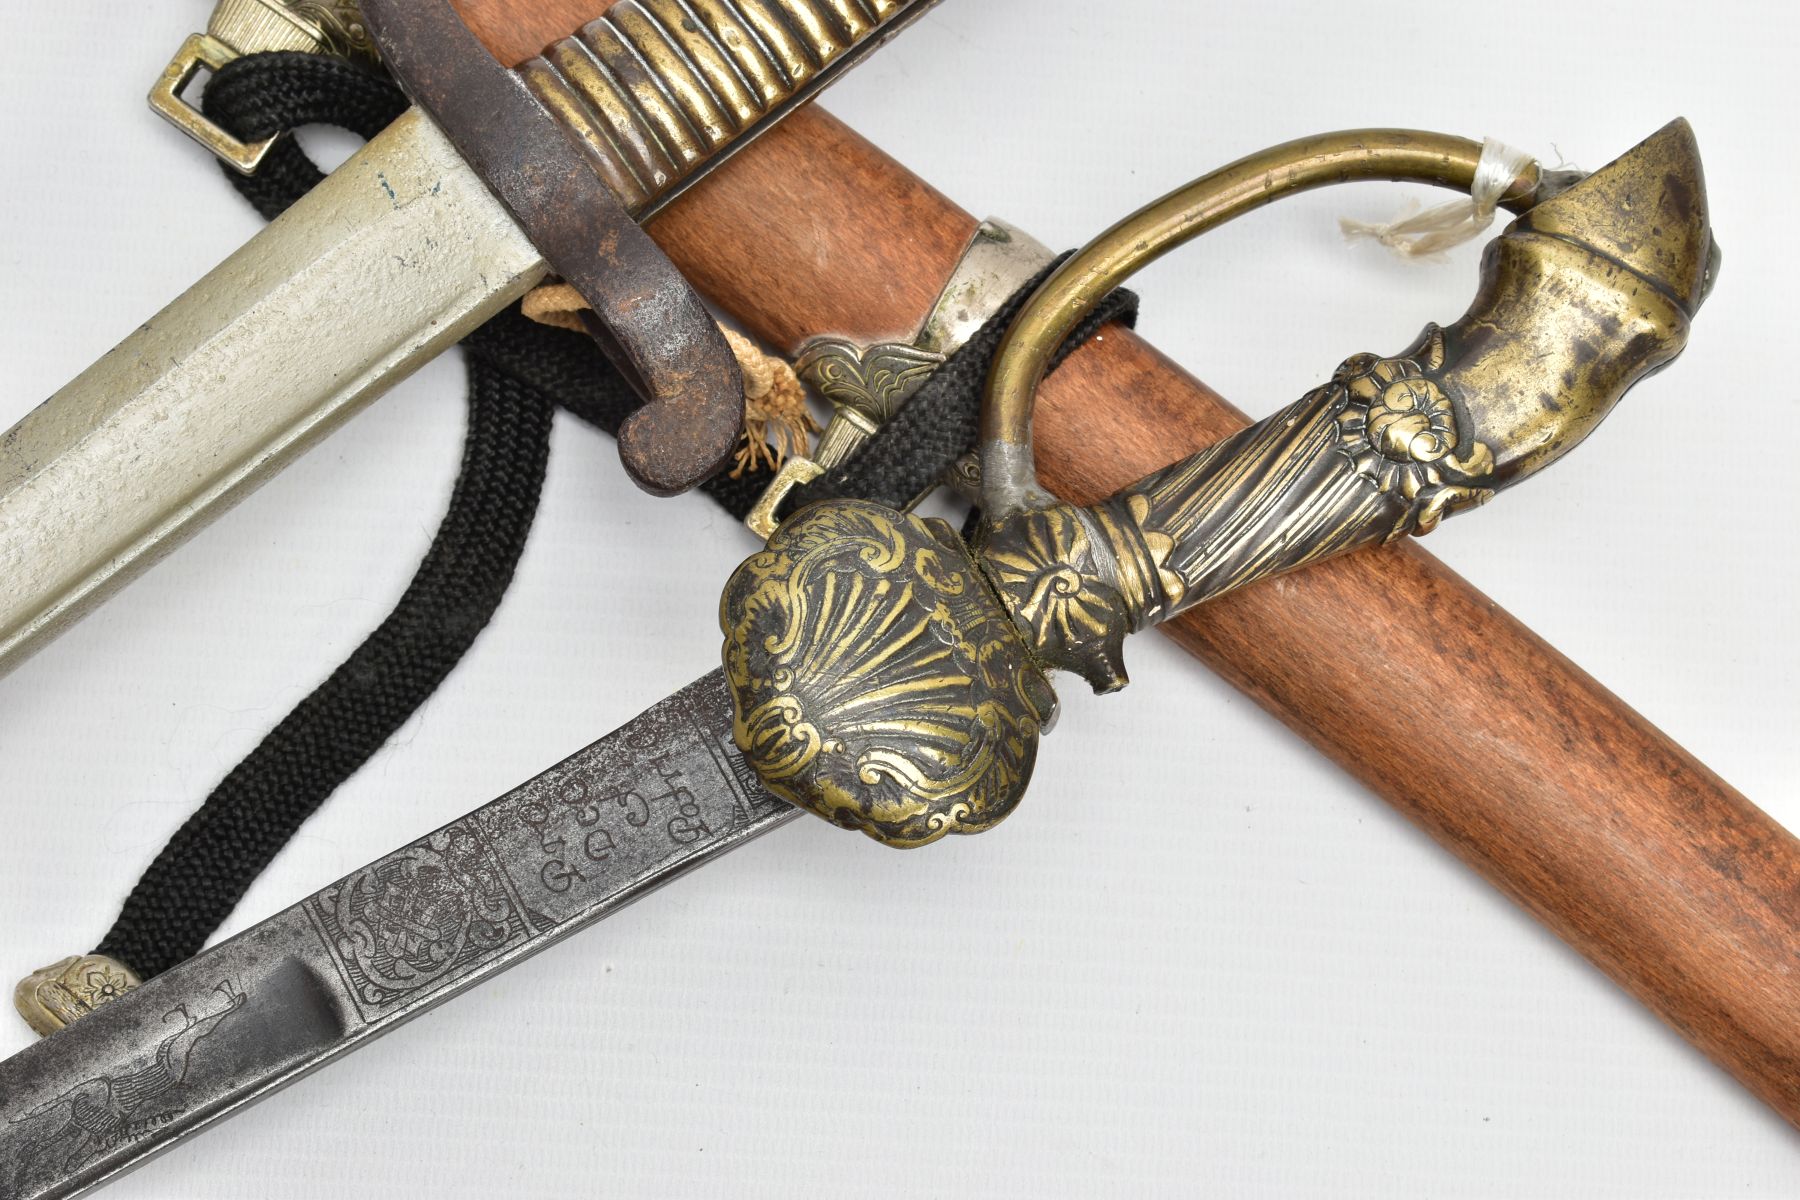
point(1428, 234)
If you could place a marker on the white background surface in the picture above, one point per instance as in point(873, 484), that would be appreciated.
point(1241, 974)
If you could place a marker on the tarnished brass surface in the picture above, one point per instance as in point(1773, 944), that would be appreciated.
point(1581, 297)
point(1053, 572)
point(325, 26)
point(1586, 294)
point(765, 515)
point(866, 385)
point(1078, 286)
point(240, 27)
point(61, 993)
point(874, 679)
point(656, 88)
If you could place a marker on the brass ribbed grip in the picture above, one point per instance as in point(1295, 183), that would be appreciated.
point(655, 89)
point(1586, 293)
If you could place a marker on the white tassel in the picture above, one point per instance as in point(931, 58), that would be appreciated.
point(1428, 234)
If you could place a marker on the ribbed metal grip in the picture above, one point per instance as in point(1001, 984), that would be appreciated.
point(657, 88)
point(254, 26)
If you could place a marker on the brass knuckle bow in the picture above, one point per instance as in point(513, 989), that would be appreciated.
point(892, 680)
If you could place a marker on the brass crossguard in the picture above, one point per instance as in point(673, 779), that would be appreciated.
point(893, 680)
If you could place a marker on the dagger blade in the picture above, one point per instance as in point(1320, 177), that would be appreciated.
point(257, 361)
point(654, 799)
point(349, 292)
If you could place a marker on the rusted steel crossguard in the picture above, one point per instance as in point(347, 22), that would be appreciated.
point(1558, 793)
point(663, 338)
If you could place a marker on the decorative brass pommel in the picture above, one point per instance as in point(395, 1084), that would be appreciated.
point(875, 679)
point(63, 992)
point(1584, 295)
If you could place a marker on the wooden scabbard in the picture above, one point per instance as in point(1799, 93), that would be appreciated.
point(1557, 792)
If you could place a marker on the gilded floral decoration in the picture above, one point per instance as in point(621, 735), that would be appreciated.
point(1041, 562)
point(874, 679)
point(1400, 431)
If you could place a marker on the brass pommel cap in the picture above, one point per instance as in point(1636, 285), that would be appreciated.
point(1646, 212)
point(1587, 293)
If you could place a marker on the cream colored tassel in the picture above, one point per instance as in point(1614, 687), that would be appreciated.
point(777, 422)
point(1428, 234)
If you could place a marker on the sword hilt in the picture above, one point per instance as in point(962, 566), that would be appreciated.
point(607, 126)
point(1586, 293)
point(880, 682)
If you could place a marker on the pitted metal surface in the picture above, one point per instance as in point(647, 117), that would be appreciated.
point(647, 318)
point(603, 130)
point(650, 801)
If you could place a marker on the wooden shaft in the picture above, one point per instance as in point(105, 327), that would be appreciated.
point(1550, 786)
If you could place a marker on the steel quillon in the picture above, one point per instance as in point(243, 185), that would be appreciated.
point(893, 679)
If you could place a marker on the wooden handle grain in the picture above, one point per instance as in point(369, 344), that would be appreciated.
point(1557, 792)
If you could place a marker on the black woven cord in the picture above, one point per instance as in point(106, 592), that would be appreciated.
point(519, 372)
point(942, 420)
point(197, 880)
point(269, 95)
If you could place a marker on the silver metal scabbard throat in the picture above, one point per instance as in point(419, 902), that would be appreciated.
point(868, 385)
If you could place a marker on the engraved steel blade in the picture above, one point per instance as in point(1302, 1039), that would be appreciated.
point(650, 801)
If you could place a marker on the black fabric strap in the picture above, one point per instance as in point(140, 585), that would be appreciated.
point(204, 870)
point(270, 95)
point(197, 880)
point(942, 420)
point(519, 373)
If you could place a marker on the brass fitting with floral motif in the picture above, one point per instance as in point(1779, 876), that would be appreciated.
point(61, 993)
point(1589, 291)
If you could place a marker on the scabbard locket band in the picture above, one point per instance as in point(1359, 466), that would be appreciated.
point(894, 680)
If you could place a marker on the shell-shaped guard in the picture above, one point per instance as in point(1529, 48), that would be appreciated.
point(876, 680)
